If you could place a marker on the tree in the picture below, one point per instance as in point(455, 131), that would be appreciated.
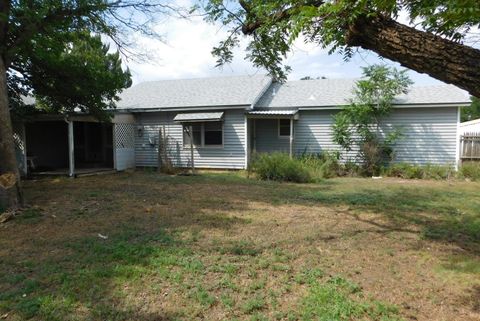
point(471, 112)
point(360, 123)
point(52, 50)
point(437, 47)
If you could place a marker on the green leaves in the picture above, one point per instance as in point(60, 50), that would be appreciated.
point(275, 24)
point(73, 71)
point(471, 112)
point(359, 124)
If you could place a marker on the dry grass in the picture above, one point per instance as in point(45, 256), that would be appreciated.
point(219, 246)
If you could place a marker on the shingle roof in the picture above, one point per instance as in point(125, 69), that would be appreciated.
point(201, 92)
point(335, 92)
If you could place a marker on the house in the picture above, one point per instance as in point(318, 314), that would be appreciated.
point(472, 126)
point(229, 119)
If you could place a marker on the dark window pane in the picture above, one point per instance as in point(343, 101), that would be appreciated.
point(284, 129)
point(213, 138)
point(213, 133)
point(213, 126)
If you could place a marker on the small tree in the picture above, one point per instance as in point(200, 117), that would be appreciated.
point(471, 112)
point(359, 124)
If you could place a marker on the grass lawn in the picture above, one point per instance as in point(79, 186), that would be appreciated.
point(219, 246)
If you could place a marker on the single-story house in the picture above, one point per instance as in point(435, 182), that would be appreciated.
point(229, 119)
point(471, 126)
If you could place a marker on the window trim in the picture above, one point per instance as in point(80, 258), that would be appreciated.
point(202, 138)
point(289, 129)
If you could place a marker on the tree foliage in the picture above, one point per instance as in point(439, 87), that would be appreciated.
point(52, 50)
point(72, 71)
point(275, 24)
point(360, 123)
point(471, 112)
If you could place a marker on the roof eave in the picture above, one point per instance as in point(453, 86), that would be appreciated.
point(186, 108)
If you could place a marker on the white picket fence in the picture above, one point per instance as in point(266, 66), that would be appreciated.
point(470, 146)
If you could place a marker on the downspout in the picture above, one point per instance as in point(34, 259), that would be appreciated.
point(457, 145)
point(291, 137)
point(71, 148)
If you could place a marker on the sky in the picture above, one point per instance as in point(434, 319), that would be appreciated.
point(185, 52)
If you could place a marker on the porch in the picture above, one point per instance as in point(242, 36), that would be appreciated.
point(271, 131)
point(72, 146)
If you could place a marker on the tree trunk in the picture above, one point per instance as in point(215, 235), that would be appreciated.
point(421, 51)
point(11, 196)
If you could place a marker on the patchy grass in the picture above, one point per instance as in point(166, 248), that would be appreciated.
point(219, 246)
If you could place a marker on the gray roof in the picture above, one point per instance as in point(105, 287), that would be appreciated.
point(336, 92)
point(201, 92)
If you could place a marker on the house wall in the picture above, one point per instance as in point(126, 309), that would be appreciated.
point(267, 139)
point(231, 155)
point(429, 134)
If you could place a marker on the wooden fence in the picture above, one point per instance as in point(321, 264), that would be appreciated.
point(470, 146)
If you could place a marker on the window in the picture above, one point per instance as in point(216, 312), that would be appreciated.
point(197, 135)
point(208, 134)
point(284, 127)
point(213, 133)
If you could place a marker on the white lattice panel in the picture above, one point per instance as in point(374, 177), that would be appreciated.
point(124, 136)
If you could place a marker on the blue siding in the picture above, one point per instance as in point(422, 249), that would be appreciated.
point(429, 134)
point(231, 155)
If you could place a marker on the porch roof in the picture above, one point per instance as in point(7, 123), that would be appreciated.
point(293, 113)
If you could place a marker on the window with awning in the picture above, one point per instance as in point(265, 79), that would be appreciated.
point(206, 128)
point(207, 134)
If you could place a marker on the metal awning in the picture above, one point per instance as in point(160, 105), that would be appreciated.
point(276, 114)
point(198, 117)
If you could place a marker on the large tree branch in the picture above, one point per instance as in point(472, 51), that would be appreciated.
point(253, 23)
point(418, 50)
point(421, 51)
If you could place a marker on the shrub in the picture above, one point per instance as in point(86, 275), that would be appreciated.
point(322, 165)
point(470, 170)
point(280, 167)
point(429, 171)
point(438, 171)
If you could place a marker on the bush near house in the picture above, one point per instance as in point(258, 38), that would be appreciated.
point(316, 167)
point(304, 169)
point(429, 171)
point(280, 167)
point(470, 170)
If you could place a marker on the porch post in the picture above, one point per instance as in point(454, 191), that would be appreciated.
point(291, 137)
point(190, 128)
point(71, 150)
point(247, 143)
point(254, 130)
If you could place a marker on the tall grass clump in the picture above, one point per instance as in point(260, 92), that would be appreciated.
point(280, 167)
point(429, 171)
point(323, 165)
point(470, 170)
